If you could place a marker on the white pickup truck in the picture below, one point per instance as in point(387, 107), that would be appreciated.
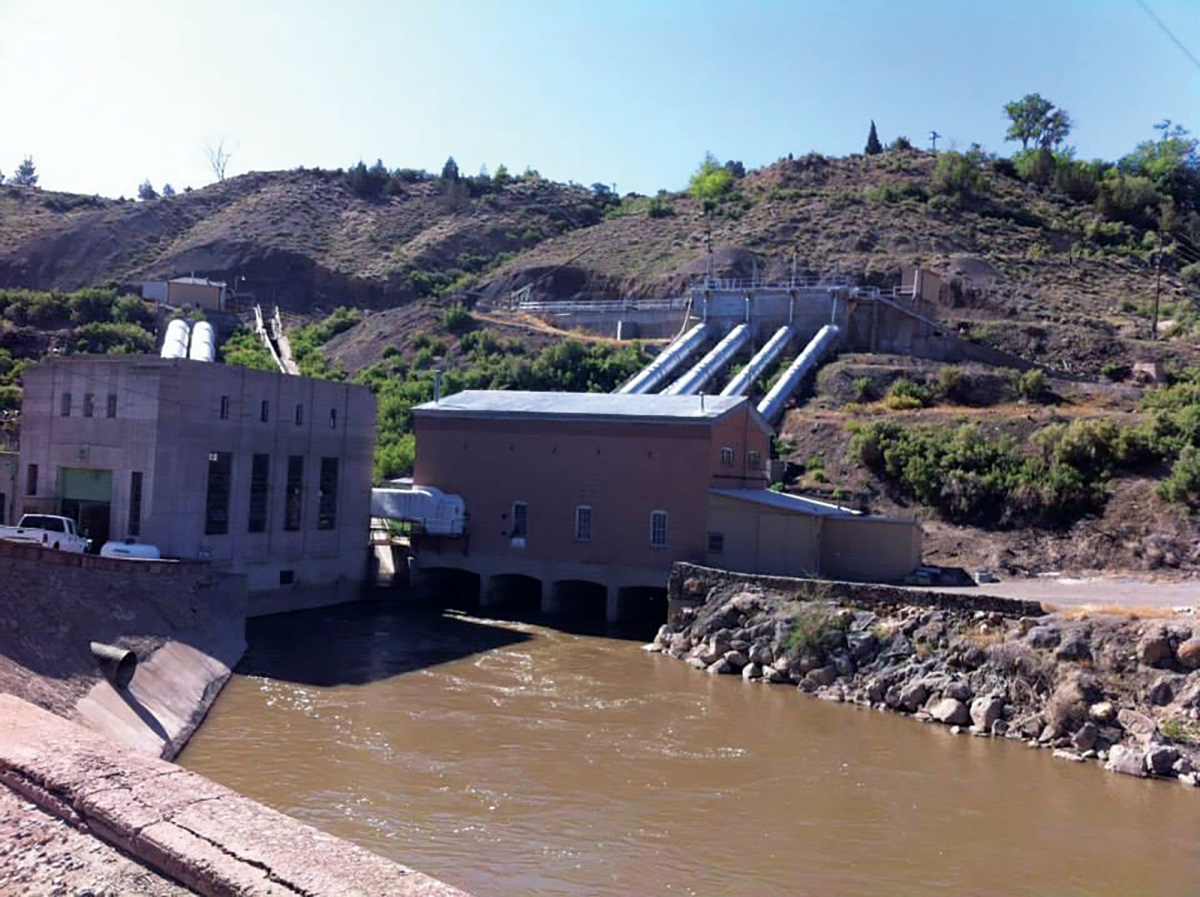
point(46, 529)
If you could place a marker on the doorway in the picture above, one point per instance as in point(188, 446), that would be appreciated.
point(87, 499)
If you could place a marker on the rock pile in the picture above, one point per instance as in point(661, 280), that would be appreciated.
point(1122, 691)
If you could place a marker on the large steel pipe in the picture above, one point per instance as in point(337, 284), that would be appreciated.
point(740, 385)
point(670, 358)
point(708, 366)
point(772, 405)
point(117, 664)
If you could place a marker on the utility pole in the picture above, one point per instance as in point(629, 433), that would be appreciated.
point(1157, 280)
point(933, 137)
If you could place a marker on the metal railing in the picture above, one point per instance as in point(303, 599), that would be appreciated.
point(604, 305)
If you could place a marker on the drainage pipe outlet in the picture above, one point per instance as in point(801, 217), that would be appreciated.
point(117, 664)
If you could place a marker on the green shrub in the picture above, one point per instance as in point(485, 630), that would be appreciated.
point(113, 339)
point(1031, 385)
point(244, 349)
point(457, 320)
point(864, 389)
point(1183, 485)
point(1130, 200)
point(815, 629)
point(1191, 273)
point(904, 395)
point(954, 384)
point(1114, 371)
point(960, 174)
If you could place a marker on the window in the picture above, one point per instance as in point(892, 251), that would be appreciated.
point(266, 411)
point(333, 418)
point(216, 506)
point(66, 404)
point(716, 542)
point(520, 520)
point(754, 459)
point(224, 407)
point(293, 505)
point(31, 473)
point(260, 483)
point(327, 496)
point(89, 404)
point(110, 409)
point(727, 455)
point(135, 504)
point(658, 529)
point(287, 577)
point(583, 523)
point(299, 415)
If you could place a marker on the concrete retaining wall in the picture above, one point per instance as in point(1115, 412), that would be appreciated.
point(185, 623)
point(180, 824)
point(689, 585)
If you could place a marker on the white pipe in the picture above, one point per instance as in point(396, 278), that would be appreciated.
point(666, 362)
point(708, 366)
point(746, 377)
point(772, 405)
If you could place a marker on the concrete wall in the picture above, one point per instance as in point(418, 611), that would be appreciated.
point(10, 467)
point(870, 550)
point(169, 418)
point(197, 295)
point(758, 539)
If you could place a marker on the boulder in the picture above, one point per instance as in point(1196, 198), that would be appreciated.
point(863, 645)
point(721, 666)
point(735, 659)
point(1136, 723)
point(1061, 754)
point(985, 711)
point(960, 691)
point(999, 729)
point(843, 664)
point(1085, 738)
point(664, 635)
point(1102, 712)
point(752, 671)
point(1160, 759)
point(1189, 653)
point(1075, 648)
point(1129, 761)
point(1154, 649)
point(825, 675)
point(762, 654)
point(950, 711)
point(912, 696)
point(1043, 637)
point(776, 675)
point(1161, 691)
point(697, 662)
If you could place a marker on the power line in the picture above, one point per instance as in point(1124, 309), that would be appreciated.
point(1167, 31)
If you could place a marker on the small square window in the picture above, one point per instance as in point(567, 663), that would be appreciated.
point(716, 542)
point(287, 577)
point(754, 460)
point(727, 455)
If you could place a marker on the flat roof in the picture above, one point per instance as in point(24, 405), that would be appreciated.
point(589, 405)
point(799, 504)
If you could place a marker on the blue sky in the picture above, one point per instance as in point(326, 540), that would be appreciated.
point(105, 94)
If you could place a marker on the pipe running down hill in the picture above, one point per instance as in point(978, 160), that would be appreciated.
point(708, 366)
point(668, 360)
point(746, 377)
point(772, 404)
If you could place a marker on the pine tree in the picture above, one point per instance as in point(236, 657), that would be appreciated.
point(26, 174)
point(146, 191)
point(450, 170)
point(168, 191)
point(874, 147)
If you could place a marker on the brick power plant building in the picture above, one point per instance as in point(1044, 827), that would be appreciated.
point(578, 499)
point(263, 474)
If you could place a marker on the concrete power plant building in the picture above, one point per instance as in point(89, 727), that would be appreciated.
point(263, 474)
point(577, 499)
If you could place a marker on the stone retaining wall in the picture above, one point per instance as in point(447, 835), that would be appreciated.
point(180, 824)
point(690, 584)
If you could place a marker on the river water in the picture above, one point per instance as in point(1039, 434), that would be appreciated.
point(510, 758)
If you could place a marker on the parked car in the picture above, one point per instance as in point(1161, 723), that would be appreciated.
point(47, 529)
point(131, 549)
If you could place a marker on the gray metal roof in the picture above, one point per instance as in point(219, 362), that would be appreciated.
point(797, 504)
point(505, 403)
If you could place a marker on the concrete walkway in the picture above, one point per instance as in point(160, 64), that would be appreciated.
point(1118, 591)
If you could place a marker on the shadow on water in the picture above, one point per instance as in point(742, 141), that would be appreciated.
point(572, 624)
point(354, 644)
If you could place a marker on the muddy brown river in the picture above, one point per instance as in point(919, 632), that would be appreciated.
point(510, 758)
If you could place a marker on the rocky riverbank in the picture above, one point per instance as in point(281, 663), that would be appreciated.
point(1121, 690)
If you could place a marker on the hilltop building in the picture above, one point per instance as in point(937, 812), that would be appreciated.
point(187, 292)
point(576, 498)
point(263, 474)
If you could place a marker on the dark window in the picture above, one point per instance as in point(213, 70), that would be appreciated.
point(520, 520)
point(727, 455)
point(333, 418)
point(299, 415)
point(266, 411)
point(327, 499)
point(293, 504)
point(716, 542)
point(754, 460)
point(658, 529)
point(31, 480)
point(135, 503)
point(66, 404)
point(224, 407)
point(111, 409)
point(89, 404)
point(583, 523)
point(260, 482)
point(287, 577)
point(216, 507)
